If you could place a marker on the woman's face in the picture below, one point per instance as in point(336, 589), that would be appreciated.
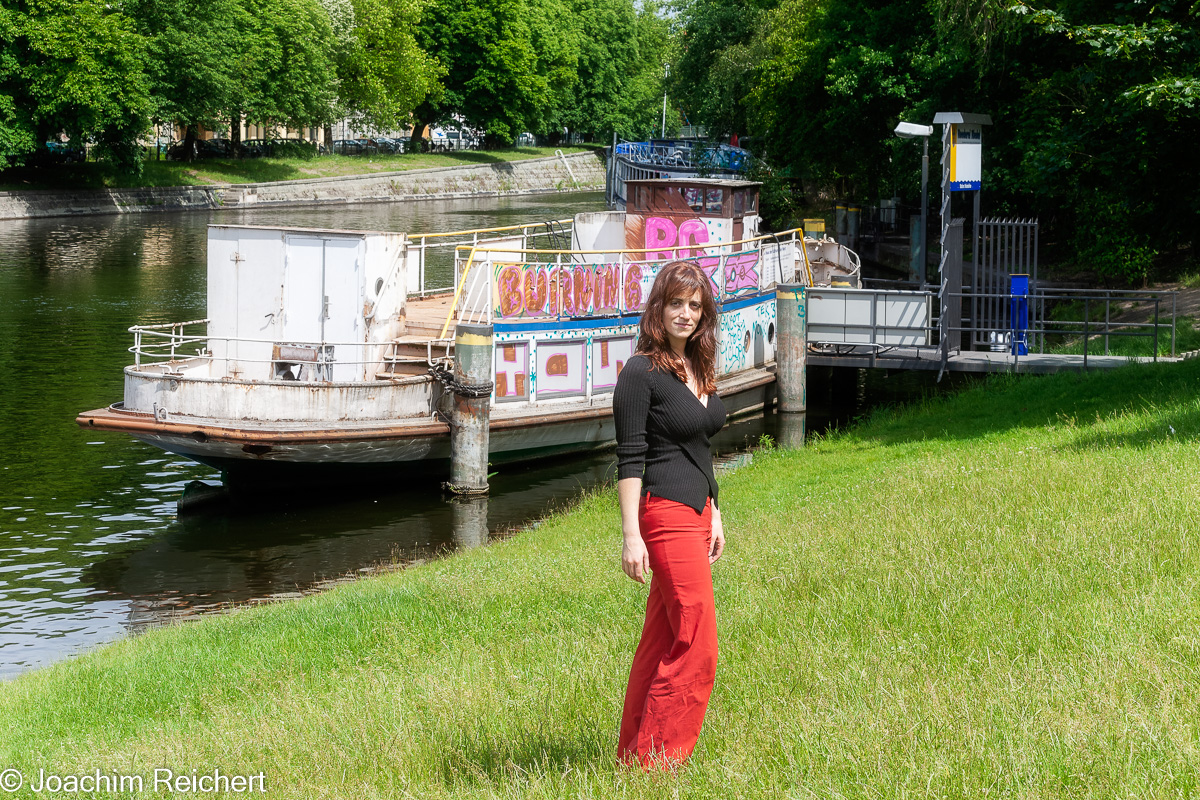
point(681, 317)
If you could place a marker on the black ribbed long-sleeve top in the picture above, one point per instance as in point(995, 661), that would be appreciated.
point(662, 434)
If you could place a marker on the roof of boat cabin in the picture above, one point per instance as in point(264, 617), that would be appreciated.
point(729, 182)
point(292, 229)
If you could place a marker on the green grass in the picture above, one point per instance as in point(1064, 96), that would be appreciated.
point(253, 170)
point(995, 594)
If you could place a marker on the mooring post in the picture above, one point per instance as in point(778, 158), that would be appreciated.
point(791, 361)
point(472, 388)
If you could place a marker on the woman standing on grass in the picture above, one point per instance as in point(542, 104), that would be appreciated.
point(666, 407)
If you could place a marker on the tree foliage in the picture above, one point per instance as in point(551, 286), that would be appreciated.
point(71, 66)
point(383, 74)
point(102, 70)
point(1095, 104)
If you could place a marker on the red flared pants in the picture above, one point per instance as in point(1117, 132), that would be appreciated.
point(676, 660)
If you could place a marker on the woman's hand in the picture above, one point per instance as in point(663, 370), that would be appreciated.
point(717, 543)
point(635, 560)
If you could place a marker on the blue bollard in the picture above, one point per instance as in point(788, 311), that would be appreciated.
point(1019, 313)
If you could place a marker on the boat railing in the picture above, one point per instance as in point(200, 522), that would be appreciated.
point(173, 343)
point(165, 342)
point(687, 155)
point(578, 284)
point(425, 244)
point(664, 155)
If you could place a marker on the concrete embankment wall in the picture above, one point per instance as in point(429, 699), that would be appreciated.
point(577, 171)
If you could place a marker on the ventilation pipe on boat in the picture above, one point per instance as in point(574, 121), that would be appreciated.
point(472, 388)
point(791, 360)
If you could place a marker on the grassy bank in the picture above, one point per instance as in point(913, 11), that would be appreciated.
point(994, 594)
point(254, 170)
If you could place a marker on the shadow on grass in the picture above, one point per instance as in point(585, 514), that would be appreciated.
point(56, 177)
point(1005, 403)
point(529, 752)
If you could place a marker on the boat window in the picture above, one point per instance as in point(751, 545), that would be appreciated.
point(752, 202)
point(694, 198)
point(739, 202)
point(713, 206)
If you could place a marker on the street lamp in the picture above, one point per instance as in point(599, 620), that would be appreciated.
point(666, 75)
point(909, 130)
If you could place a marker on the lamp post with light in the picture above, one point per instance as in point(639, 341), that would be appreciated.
point(666, 75)
point(910, 130)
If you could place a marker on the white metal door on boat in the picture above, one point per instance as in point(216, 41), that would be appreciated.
point(322, 292)
point(344, 306)
point(255, 269)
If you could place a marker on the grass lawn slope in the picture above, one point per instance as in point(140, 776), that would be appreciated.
point(206, 172)
point(994, 594)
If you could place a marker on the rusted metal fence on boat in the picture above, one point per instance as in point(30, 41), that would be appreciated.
point(421, 246)
point(736, 269)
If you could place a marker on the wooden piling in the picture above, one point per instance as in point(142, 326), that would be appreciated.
point(472, 409)
point(791, 361)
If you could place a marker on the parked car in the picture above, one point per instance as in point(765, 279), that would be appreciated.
point(387, 144)
point(369, 147)
point(447, 139)
point(201, 148)
point(347, 147)
point(60, 153)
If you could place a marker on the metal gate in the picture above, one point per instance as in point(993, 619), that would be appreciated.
point(1007, 247)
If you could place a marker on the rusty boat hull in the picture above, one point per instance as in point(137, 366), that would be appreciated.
point(280, 450)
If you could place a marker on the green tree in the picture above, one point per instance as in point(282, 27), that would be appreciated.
point(503, 60)
point(214, 61)
point(73, 66)
point(382, 72)
point(1105, 126)
point(622, 50)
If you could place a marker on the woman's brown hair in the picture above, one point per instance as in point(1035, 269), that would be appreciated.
point(681, 279)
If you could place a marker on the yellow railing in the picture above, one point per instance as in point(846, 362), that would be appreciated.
point(501, 229)
point(660, 249)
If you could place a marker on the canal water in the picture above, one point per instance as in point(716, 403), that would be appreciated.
point(92, 546)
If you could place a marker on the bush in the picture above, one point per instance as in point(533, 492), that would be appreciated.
point(1109, 240)
point(293, 148)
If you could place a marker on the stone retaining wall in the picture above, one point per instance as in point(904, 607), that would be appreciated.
point(577, 171)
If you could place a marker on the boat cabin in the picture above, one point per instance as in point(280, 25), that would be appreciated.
point(707, 197)
point(668, 218)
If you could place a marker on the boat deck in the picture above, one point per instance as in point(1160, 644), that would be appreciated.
point(425, 316)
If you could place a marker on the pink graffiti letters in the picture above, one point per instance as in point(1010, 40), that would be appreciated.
point(662, 232)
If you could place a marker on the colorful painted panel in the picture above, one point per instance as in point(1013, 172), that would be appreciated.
point(742, 273)
point(636, 287)
point(537, 290)
point(561, 368)
point(746, 337)
point(608, 358)
point(606, 288)
point(512, 371)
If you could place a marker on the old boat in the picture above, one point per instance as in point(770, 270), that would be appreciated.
point(318, 346)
